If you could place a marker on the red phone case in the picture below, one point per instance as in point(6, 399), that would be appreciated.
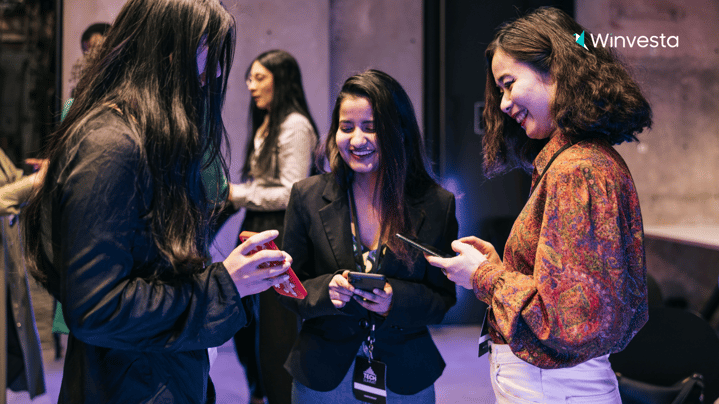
point(293, 287)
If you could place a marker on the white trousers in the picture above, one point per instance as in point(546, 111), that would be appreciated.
point(516, 381)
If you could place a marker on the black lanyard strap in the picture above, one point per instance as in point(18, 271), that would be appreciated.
point(359, 261)
point(549, 163)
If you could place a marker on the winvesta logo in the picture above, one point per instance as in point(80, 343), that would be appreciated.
point(626, 41)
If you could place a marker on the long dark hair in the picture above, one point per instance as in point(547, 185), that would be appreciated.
point(147, 69)
point(595, 97)
point(402, 166)
point(288, 96)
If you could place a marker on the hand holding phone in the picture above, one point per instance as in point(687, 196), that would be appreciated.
point(292, 287)
point(365, 284)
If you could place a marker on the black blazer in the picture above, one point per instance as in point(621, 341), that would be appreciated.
point(319, 239)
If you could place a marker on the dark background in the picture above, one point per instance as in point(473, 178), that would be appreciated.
point(457, 34)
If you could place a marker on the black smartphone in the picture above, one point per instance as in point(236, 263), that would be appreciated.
point(365, 281)
point(431, 250)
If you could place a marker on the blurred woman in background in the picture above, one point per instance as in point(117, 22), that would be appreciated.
point(279, 153)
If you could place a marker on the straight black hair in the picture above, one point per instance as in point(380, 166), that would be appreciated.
point(288, 96)
point(147, 69)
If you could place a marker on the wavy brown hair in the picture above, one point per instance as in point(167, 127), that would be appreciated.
point(595, 97)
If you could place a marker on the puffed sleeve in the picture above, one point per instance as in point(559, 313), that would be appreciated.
point(14, 187)
point(583, 295)
point(102, 227)
point(15, 194)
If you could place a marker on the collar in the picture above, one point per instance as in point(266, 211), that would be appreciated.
point(555, 143)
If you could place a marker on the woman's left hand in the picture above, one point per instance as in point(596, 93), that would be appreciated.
point(40, 169)
point(378, 301)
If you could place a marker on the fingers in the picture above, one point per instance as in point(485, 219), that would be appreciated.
point(441, 263)
point(279, 279)
point(380, 306)
point(378, 301)
point(273, 276)
point(340, 281)
point(270, 258)
point(462, 247)
point(258, 240)
point(251, 282)
point(340, 291)
point(483, 246)
point(35, 163)
point(337, 292)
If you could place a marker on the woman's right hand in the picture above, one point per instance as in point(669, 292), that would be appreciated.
point(39, 167)
point(341, 290)
point(473, 253)
point(484, 247)
point(245, 269)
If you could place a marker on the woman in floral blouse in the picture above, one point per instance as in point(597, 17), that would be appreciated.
point(571, 288)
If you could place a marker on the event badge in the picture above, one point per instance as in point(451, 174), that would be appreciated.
point(484, 334)
point(369, 381)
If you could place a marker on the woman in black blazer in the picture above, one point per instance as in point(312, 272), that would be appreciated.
point(346, 220)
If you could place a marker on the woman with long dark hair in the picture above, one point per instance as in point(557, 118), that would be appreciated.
point(345, 222)
point(571, 288)
point(279, 153)
point(280, 150)
point(118, 232)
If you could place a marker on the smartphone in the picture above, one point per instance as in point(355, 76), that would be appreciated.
point(431, 250)
point(292, 287)
point(365, 281)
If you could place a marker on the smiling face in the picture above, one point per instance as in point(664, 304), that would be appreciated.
point(260, 82)
point(527, 95)
point(356, 137)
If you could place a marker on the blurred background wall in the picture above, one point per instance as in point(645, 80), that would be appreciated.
point(676, 164)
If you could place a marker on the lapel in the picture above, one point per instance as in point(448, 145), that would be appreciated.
point(335, 216)
point(416, 215)
point(391, 266)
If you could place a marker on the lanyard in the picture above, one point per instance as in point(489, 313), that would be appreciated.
point(551, 160)
point(359, 261)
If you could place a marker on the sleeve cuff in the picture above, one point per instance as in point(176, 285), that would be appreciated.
point(483, 281)
point(238, 195)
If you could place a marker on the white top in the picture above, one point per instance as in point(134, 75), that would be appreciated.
point(292, 162)
point(695, 235)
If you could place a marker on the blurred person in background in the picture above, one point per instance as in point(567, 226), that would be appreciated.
point(279, 153)
point(24, 352)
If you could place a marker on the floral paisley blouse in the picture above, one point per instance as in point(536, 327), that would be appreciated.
point(572, 286)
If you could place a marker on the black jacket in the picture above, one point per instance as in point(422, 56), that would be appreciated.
point(132, 339)
point(319, 239)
